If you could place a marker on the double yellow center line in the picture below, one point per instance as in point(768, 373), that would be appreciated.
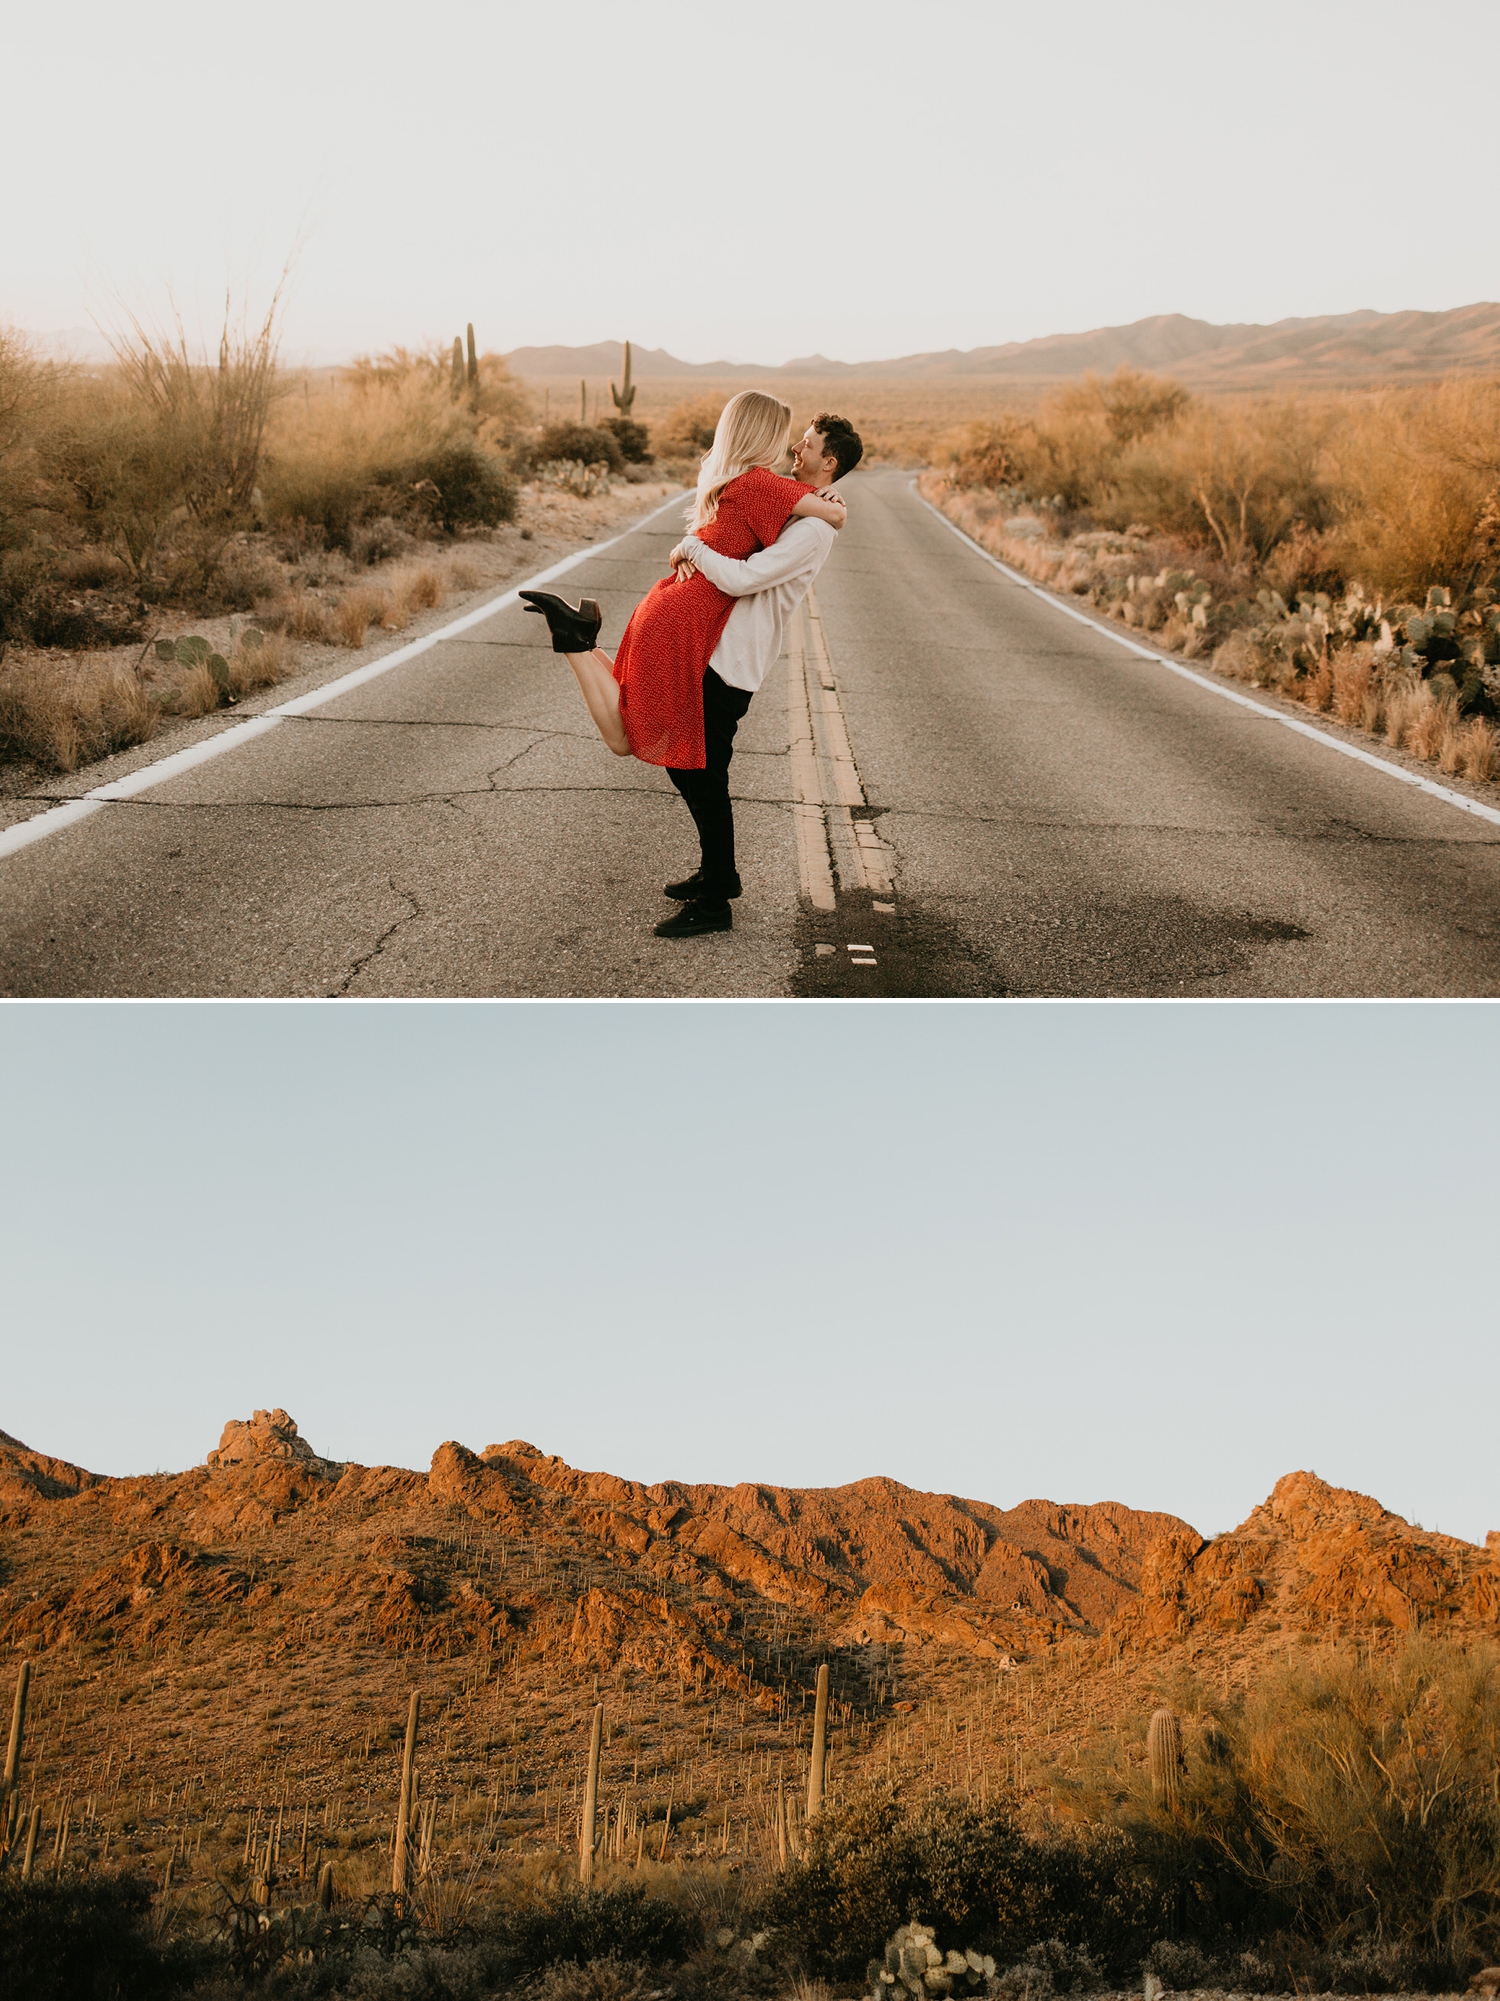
point(837, 846)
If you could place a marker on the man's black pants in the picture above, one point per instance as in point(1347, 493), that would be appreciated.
point(707, 791)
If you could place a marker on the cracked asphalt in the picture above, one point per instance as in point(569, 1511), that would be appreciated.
point(1065, 820)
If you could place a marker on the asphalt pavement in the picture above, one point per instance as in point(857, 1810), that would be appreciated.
point(1051, 816)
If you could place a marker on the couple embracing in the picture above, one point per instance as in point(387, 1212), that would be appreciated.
point(700, 642)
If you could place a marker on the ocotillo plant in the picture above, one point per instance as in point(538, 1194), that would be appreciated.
point(403, 1809)
point(819, 1745)
point(473, 365)
point(590, 1800)
point(17, 1731)
point(625, 395)
point(1164, 1758)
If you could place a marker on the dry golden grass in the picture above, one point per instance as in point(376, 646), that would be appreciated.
point(1399, 490)
point(305, 616)
point(1477, 750)
point(197, 693)
point(1361, 685)
point(253, 666)
point(1318, 689)
point(1351, 675)
point(901, 422)
point(354, 614)
point(1431, 722)
point(66, 713)
point(425, 589)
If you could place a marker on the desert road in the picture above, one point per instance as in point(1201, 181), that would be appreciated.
point(981, 794)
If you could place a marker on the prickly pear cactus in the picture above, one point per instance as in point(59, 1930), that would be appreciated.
point(914, 1966)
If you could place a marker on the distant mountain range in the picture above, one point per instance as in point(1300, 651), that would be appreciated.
point(1336, 348)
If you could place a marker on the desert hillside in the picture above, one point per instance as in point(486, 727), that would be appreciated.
point(1329, 350)
point(216, 1648)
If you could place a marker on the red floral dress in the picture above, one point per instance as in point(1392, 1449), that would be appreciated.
point(676, 626)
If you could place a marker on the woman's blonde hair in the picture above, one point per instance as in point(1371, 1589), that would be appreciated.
point(753, 430)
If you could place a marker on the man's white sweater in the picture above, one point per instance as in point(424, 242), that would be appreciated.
point(769, 586)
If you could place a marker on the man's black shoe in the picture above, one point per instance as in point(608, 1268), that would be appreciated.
point(697, 917)
point(692, 887)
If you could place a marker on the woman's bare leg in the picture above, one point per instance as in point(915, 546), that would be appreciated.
point(601, 691)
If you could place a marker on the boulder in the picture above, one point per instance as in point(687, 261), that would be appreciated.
point(269, 1434)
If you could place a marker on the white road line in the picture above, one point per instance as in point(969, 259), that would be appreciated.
point(1458, 799)
point(42, 825)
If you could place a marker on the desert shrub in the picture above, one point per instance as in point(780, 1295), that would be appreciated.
point(497, 405)
point(403, 453)
point(63, 713)
point(459, 485)
point(580, 443)
point(377, 540)
point(1417, 476)
point(1345, 1803)
point(580, 1926)
point(206, 423)
point(633, 439)
point(83, 1937)
point(115, 473)
point(993, 454)
point(688, 428)
point(610, 1979)
point(243, 578)
point(872, 1865)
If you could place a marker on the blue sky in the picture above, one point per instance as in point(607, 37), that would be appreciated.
point(750, 184)
point(1157, 1254)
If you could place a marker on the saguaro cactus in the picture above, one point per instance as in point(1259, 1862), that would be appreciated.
point(325, 1887)
point(33, 1829)
point(473, 364)
point(590, 1800)
point(17, 1732)
point(458, 364)
point(583, 401)
point(403, 1809)
point(1164, 1758)
point(819, 1745)
point(625, 395)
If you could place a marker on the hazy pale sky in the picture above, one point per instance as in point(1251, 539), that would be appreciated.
point(751, 183)
point(1157, 1254)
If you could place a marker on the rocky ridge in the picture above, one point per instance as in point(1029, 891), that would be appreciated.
point(250, 1628)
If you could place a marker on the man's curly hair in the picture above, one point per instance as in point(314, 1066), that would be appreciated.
point(841, 441)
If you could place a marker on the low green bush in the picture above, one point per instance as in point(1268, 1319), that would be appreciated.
point(86, 1938)
point(595, 1924)
point(872, 1865)
point(458, 486)
point(579, 442)
point(633, 439)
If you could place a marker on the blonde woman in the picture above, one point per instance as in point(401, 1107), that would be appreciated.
point(648, 701)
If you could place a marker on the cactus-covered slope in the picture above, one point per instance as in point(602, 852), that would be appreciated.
point(658, 1570)
point(210, 1643)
